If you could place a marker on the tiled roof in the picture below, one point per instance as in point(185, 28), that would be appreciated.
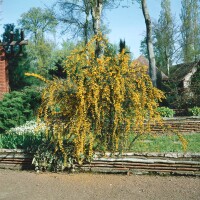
point(180, 71)
point(144, 61)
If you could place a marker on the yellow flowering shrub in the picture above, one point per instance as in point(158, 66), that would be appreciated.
point(100, 103)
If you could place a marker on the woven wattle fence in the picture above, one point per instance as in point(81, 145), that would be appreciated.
point(15, 159)
point(181, 124)
point(135, 163)
point(146, 163)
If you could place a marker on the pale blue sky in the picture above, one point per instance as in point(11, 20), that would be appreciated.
point(125, 23)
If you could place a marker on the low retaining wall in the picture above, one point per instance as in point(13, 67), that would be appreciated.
point(146, 163)
point(136, 163)
point(181, 124)
point(15, 159)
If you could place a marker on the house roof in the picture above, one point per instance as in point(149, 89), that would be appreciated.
point(144, 61)
point(180, 71)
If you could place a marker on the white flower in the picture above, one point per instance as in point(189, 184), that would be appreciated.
point(30, 127)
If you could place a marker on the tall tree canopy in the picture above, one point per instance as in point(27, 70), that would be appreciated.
point(164, 32)
point(38, 21)
point(83, 18)
point(190, 30)
point(75, 16)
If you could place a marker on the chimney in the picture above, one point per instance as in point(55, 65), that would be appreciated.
point(4, 79)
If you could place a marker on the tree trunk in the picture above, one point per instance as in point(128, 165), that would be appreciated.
point(96, 10)
point(86, 24)
point(152, 62)
point(86, 28)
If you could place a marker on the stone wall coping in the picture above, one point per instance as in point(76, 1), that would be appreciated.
point(182, 118)
point(13, 151)
point(147, 154)
point(127, 154)
point(145, 160)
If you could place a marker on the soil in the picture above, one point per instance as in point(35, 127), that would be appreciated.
point(28, 185)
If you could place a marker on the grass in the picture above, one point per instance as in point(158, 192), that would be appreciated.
point(145, 143)
point(166, 143)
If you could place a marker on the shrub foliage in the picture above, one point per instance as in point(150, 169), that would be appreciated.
point(195, 111)
point(17, 107)
point(99, 104)
point(166, 112)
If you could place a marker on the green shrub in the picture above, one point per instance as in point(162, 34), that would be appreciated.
point(17, 107)
point(99, 102)
point(195, 111)
point(165, 112)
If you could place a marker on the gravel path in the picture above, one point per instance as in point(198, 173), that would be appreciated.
point(24, 185)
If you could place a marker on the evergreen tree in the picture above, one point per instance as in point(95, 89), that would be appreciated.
point(122, 45)
point(17, 64)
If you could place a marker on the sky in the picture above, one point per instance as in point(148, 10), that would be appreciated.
point(124, 22)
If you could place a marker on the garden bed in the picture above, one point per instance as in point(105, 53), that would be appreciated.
point(177, 162)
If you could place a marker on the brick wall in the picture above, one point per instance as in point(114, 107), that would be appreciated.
point(4, 81)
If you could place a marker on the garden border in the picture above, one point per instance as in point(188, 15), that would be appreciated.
point(145, 163)
point(15, 159)
point(135, 163)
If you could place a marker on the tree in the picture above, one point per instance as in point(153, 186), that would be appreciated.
point(195, 88)
point(40, 56)
point(151, 56)
point(37, 22)
point(122, 45)
point(143, 47)
point(97, 7)
point(17, 64)
point(59, 59)
point(96, 11)
point(84, 17)
point(164, 32)
point(190, 30)
point(75, 15)
point(196, 29)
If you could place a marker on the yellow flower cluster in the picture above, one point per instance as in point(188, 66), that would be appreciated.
point(37, 76)
point(100, 103)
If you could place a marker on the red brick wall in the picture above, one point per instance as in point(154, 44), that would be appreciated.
point(4, 81)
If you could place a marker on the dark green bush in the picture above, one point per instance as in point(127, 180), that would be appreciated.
point(17, 107)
